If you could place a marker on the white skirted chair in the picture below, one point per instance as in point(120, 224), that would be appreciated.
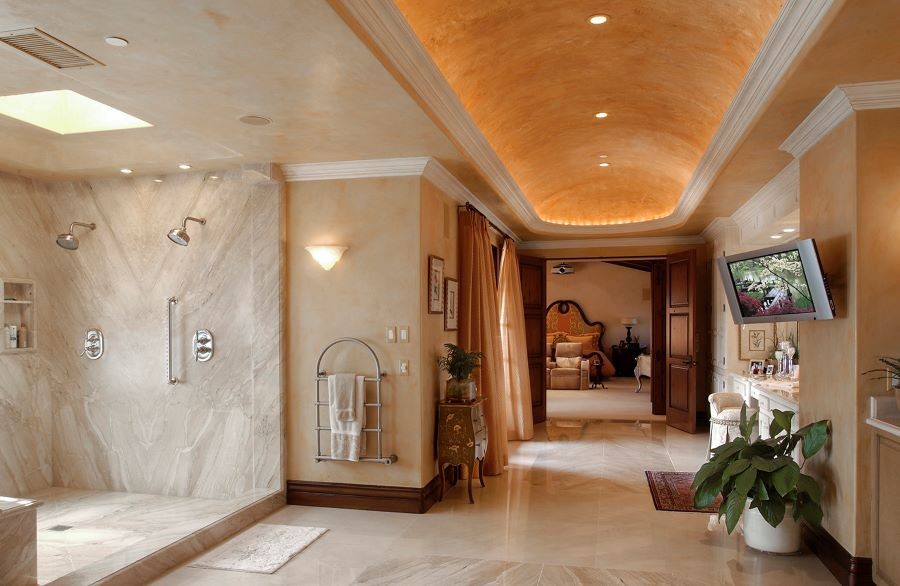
point(570, 370)
point(724, 419)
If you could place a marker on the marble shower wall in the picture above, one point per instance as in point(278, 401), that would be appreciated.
point(114, 423)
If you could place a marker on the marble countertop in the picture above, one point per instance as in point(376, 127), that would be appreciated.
point(11, 505)
point(786, 390)
point(884, 414)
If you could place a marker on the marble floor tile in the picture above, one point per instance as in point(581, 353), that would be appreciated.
point(564, 512)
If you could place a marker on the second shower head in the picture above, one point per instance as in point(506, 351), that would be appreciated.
point(179, 235)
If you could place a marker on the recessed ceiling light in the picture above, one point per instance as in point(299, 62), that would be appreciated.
point(157, 181)
point(67, 112)
point(116, 41)
point(603, 164)
point(184, 166)
point(126, 171)
point(598, 19)
point(789, 230)
point(601, 115)
point(255, 120)
point(214, 177)
point(603, 156)
point(775, 236)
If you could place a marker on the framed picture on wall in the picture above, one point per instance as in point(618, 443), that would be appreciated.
point(451, 304)
point(757, 341)
point(435, 284)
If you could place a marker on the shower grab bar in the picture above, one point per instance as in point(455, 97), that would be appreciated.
point(170, 302)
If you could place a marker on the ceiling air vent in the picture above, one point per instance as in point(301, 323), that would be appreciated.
point(50, 50)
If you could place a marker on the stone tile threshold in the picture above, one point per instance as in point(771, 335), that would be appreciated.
point(158, 552)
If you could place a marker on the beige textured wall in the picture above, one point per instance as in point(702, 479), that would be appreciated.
point(828, 213)
point(439, 237)
point(376, 284)
point(878, 278)
point(607, 293)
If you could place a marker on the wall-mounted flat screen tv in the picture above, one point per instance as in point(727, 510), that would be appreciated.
point(781, 283)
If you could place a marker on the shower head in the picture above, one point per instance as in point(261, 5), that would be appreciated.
point(68, 240)
point(179, 235)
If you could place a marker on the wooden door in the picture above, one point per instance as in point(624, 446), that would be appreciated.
point(659, 320)
point(532, 272)
point(682, 341)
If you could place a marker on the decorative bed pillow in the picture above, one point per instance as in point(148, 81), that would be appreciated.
point(564, 362)
point(589, 342)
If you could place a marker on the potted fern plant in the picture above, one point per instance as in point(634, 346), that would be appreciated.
point(459, 364)
point(890, 371)
point(761, 481)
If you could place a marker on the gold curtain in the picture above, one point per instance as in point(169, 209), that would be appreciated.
point(479, 330)
point(514, 352)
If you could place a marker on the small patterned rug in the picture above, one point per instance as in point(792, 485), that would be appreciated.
point(672, 492)
point(262, 549)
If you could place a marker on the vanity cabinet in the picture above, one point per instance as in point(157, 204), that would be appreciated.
point(885, 422)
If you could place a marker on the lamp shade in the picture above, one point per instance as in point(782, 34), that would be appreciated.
point(327, 256)
point(629, 321)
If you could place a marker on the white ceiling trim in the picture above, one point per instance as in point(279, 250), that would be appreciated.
point(427, 167)
point(840, 103)
point(384, 24)
point(611, 242)
point(776, 199)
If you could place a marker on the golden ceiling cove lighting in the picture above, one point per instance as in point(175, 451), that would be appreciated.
point(601, 115)
point(67, 112)
point(604, 164)
point(327, 256)
point(598, 19)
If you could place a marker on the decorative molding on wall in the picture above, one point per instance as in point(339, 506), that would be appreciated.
point(393, 499)
point(389, 31)
point(610, 242)
point(427, 167)
point(848, 569)
point(719, 228)
point(840, 103)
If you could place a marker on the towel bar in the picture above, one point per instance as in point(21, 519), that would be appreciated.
point(322, 376)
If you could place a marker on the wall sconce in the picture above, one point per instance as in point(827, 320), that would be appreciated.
point(327, 256)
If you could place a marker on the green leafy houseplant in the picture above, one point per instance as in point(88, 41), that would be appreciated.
point(459, 364)
point(764, 472)
point(890, 371)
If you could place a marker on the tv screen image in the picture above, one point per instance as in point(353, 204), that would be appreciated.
point(780, 283)
point(773, 284)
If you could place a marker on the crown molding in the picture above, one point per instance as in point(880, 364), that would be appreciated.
point(840, 103)
point(611, 242)
point(385, 26)
point(719, 228)
point(427, 167)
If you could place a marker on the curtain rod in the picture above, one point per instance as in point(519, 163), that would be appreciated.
point(472, 208)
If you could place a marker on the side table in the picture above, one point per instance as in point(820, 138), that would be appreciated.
point(462, 439)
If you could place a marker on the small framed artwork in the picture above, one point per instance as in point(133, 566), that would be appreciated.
point(435, 284)
point(770, 370)
point(756, 341)
point(757, 367)
point(451, 304)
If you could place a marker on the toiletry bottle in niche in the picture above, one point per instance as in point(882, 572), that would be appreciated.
point(13, 332)
point(22, 337)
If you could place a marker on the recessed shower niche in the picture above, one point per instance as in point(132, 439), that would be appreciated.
point(17, 316)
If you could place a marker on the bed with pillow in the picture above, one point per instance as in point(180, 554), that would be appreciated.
point(567, 323)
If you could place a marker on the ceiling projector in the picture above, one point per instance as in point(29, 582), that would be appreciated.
point(563, 269)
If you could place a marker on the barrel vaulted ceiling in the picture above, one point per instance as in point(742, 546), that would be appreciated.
point(533, 76)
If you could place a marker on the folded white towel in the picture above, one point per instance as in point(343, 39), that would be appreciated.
point(347, 414)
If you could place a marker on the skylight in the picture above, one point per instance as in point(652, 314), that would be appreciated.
point(67, 112)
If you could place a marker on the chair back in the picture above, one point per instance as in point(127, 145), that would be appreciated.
point(568, 349)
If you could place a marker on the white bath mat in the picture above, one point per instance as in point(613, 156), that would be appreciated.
point(262, 549)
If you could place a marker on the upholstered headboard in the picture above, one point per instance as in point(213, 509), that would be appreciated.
point(567, 317)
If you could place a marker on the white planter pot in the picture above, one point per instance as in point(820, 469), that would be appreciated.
point(758, 534)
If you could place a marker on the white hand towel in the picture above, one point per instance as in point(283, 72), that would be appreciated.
point(347, 438)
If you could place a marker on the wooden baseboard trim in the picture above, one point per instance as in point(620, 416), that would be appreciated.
point(393, 499)
point(849, 570)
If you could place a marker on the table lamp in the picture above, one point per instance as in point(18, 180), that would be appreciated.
point(629, 322)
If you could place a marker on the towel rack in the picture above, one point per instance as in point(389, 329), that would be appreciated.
point(322, 376)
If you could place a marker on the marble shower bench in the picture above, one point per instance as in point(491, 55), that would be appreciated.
point(18, 541)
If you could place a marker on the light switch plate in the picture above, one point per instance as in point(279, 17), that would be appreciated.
point(391, 335)
point(404, 334)
point(404, 367)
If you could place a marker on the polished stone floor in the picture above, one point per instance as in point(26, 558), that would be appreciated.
point(617, 402)
point(573, 508)
point(85, 534)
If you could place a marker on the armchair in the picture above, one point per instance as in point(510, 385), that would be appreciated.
point(570, 370)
